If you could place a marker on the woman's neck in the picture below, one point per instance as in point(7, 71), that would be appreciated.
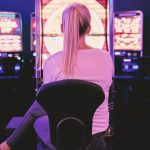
point(83, 45)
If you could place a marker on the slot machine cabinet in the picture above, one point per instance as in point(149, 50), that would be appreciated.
point(32, 32)
point(48, 32)
point(10, 44)
point(128, 42)
point(32, 53)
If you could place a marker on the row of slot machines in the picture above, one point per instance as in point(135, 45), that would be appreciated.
point(127, 51)
point(127, 39)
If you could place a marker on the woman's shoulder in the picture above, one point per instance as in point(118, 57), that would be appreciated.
point(95, 52)
point(103, 54)
point(54, 56)
point(100, 51)
point(53, 59)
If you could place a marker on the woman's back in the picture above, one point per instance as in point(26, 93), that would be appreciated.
point(93, 65)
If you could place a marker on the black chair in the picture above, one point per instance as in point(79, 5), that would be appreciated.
point(70, 134)
point(76, 99)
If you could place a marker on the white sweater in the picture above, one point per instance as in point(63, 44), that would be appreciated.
point(93, 65)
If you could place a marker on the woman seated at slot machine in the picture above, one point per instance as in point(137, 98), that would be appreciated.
point(77, 61)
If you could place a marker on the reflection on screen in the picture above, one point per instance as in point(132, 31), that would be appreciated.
point(10, 32)
point(128, 32)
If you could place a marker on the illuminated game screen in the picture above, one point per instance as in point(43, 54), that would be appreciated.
point(51, 14)
point(128, 30)
point(32, 32)
point(10, 32)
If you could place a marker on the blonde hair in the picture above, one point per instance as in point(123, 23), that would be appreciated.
point(75, 20)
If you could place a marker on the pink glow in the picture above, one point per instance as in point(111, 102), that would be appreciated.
point(128, 25)
point(10, 33)
point(51, 17)
point(128, 31)
point(7, 27)
point(33, 24)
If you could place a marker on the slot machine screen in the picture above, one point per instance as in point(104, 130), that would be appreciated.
point(10, 32)
point(32, 32)
point(50, 12)
point(128, 31)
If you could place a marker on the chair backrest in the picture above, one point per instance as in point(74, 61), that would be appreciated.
point(70, 98)
point(70, 134)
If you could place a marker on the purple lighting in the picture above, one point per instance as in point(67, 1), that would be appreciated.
point(17, 67)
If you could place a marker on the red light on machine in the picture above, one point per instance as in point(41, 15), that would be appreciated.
point(44, 2)
point(33, 24)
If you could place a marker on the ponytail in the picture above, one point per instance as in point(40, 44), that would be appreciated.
point(71, 40)
point(75, 23)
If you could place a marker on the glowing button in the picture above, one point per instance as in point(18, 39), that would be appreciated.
point(136, 67)
point(17, 67)
point(117, 53)
point(126, 66)
point(1, 69)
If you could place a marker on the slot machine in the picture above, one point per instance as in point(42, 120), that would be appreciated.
point(128, 43)
point(32, 54)
point(10, 44)
point(49, 38)
point(32, 33)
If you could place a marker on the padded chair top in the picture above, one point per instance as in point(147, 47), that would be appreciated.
point(70, 98)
